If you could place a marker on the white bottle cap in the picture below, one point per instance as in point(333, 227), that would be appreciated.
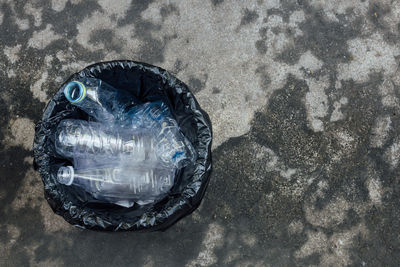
point(65, 175)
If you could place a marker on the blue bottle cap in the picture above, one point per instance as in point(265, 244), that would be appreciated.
point(75, 91)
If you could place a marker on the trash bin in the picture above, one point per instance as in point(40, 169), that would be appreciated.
point(146, 83)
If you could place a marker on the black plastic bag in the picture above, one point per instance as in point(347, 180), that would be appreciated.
point(147, 83)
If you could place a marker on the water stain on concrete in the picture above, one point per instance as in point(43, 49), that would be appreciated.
point(249, 16)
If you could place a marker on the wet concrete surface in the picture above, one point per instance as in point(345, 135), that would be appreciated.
point(304, 101)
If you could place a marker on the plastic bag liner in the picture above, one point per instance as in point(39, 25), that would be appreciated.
point(146, 83)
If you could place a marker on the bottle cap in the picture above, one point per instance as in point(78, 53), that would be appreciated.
point(65, 175)
point(75, 91)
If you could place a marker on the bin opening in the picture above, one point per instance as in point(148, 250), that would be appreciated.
point(137, 82)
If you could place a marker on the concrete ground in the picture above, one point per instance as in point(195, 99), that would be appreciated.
point(304, 97)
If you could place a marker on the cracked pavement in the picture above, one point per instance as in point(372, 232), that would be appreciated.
point(304, 98)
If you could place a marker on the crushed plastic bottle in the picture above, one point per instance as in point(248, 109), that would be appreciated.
point(80, 139)
point(172, 147)
point(98, 99)
point(123, 183)
point(149, 115)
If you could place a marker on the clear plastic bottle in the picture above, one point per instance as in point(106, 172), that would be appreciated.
point(148, 115)
point(172, 147)
point(76, 139)
point(99, 99)
point(121, 184)
point(81, 139)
